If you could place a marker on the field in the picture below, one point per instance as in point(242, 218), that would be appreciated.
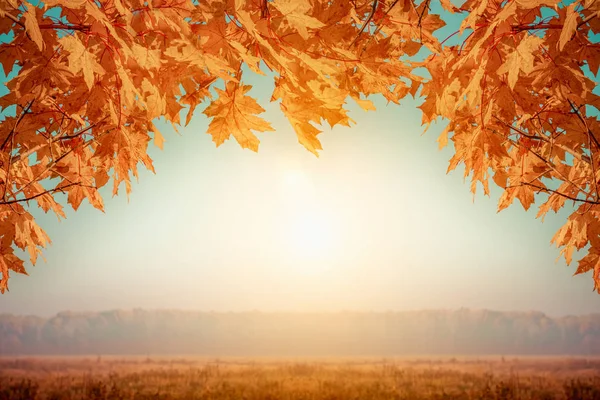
point(327, 379)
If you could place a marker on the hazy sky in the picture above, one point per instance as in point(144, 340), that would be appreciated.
point(373, 224)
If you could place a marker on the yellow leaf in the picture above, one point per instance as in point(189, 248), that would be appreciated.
point(529, 4)
point(155, 101)
point(443, 138)
point(569, 26)
point(75, 196)
point(507, 198)
point(474, 90)
point(120, 8)
point(73, 4)
point(525, 196)
point(243, 16)
point(364, 104)
point(159, 140)
point(32, 27)
point(233, 113)
point(521, 59)
point(81, 60)
point(597, 277)
point(307, 134)
point(250, 60)
point(295, 12)
point(101, 178)
point(448, 6)
point(145, 57)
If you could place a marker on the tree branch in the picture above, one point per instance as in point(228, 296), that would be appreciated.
point(264, 9)
point(83, 28)
point(585, 125)
point(588, 19)
point(19, 119)
point(67, 27)
point(59, 189)
point(425, 7)
point(53, 163)
point(521, 28)
point(373, 10)
point(56, 139)
point(14, 19)
point(11, 135)
point(550, 141)
point(381, 26)
point(546, 190)
point(542, 159)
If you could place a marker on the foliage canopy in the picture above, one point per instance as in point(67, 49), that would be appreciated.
point(89, 77)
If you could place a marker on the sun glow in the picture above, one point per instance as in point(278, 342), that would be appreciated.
point(307, 234)
point(310, 235)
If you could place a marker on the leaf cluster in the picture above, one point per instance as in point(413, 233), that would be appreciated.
point(89, 77)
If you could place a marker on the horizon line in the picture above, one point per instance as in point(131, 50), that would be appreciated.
point(289, 311)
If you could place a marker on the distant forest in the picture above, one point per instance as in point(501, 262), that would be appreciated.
point(139, 332)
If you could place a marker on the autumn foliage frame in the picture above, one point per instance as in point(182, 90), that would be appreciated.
point(88, 78)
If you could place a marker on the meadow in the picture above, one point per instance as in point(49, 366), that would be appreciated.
point(415, 378)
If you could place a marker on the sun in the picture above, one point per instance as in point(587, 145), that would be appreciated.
point(310, 235)
point(307, 237)
point(308, 245)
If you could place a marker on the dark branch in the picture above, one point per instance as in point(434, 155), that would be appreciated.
point(373, 10)
point(419, 24)
point(546, 190)
point(384, 15)
point(59, 189)
point(584, 122)
point(19, 119)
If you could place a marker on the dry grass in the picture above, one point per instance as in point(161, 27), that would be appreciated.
point(327, 379)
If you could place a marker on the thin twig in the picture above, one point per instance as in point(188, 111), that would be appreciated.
point(519, 131)
point(373, 10)
point(584, 122)
point(56, 139)
point(543, 189)
point(425, 7)
point(60, 189)
point(11, 135)
point(52, 164)
point(594, 177)
point(521, 28)
point(381, 26)
point(591, 137)
point(12, 131)
point(264, 9)
point(550, 141)
point(14, 19)
point(8, 167)
point(588, 19)
point(548, 163)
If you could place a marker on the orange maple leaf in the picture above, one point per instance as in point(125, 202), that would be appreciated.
point(233, 113)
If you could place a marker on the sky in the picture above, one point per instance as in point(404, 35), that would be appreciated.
point(373, 224)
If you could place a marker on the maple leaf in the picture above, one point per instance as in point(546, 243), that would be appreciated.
point(533, 4)
point(32, 27)
point(521, 59)
point(517, 103)
point(306, 133)
point(233, 113)
point(448, 6)
point(443, 138)
point(296, 14)
point(569, 27)
point(365, 104)
point(81, 60)
point(159, 140)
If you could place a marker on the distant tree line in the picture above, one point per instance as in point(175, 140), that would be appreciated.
point(291, 334)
